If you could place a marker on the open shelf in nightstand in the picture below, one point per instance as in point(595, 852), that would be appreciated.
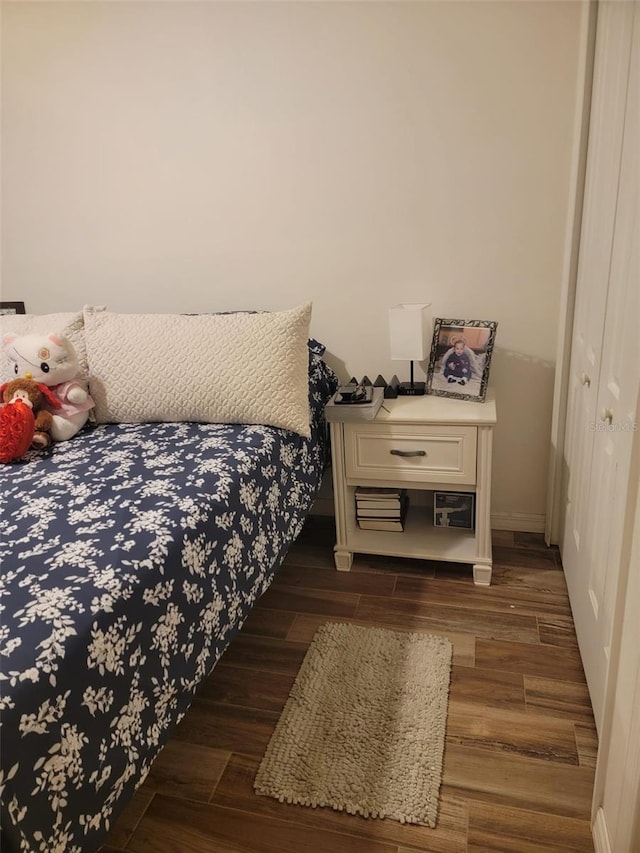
point(420, 539)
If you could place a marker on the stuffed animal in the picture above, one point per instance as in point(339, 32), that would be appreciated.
point(51, 360)
point(24, 422)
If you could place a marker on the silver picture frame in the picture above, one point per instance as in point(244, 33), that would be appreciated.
point(460, 358)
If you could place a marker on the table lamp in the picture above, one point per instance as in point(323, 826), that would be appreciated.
point(409, 340)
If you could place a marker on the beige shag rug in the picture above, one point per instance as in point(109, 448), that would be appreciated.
point(364, 725)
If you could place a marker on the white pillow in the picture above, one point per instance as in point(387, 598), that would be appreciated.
point(66, 323)
point(208, 368)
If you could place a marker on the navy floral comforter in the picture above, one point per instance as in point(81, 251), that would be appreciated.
point(130, 557)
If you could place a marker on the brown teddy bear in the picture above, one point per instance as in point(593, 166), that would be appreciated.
point(24, 422)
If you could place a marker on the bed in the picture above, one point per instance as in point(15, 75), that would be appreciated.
point(131, 555)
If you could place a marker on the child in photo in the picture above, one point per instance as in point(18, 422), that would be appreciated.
point(457, 365)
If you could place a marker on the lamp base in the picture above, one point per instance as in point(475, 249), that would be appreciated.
point(411, 389)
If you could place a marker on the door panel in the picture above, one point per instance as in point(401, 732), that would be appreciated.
point(605, 363)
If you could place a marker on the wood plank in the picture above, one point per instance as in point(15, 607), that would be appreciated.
point(501, 598)
point(311, 601)
point(502, 537)
point(517, 782)
point(386, 564)
point(525, 558)
point(587, 743)
point(529, 659)
point(257, 688)
point(552, 696)
point(510, 731)
point(235, 790)
point(242, 730)
point(455, 573)
point(489, 688)
point(179, 825)
point(501, 829)
point(531, 540)
point(493, 626)
point(557, 630)
point(186, 770)
point(313, 548)
point(464, 645)
point(267, 653)
point(330, 579)
point(268, 623)
point(547, 579)
point(129, 818)
point(310, 556)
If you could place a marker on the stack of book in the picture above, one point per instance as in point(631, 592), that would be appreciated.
point(340, 409)
point(381, 509)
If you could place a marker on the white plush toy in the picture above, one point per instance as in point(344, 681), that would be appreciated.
point(52, 360)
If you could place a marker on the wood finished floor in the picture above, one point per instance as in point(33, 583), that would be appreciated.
point(520, 745)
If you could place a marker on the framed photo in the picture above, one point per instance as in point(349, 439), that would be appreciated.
point(12, 308)
point(454, 509)
point(460, 358)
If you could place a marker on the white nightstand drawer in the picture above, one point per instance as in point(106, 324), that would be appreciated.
point(406, 452)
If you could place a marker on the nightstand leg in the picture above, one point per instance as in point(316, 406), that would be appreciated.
point(343, 559)
point(481, 574)
point(482, 570)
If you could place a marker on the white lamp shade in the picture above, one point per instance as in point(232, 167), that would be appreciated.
point(408, 331)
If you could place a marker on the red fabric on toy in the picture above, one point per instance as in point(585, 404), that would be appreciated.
point(17, 426)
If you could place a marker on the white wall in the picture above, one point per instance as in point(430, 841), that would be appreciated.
point(178, 156)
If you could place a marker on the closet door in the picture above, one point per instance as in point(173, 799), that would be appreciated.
point(605, 364)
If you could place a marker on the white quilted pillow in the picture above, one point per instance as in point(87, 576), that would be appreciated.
point(208, 368)
point(65, 323)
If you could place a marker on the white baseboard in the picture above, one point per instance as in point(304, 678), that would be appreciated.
point(600, 834)
point(522, 522)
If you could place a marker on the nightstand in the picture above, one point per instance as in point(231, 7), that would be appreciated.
point(422, 444)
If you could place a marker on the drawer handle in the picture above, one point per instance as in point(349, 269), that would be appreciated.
point(406, 453)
